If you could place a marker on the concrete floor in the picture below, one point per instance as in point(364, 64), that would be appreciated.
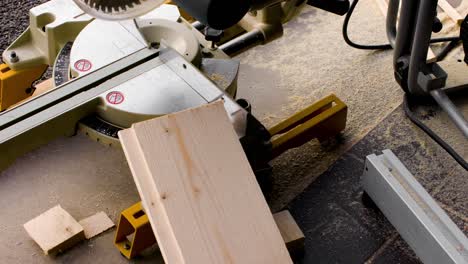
point(309, 62)
point(340, 228)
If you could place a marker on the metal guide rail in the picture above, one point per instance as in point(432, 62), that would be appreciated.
point(413, 212)
point(57, 112)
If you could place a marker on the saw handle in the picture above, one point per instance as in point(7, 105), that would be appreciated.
point(217, 14)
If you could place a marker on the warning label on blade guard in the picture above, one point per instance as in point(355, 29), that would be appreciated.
point(83, 65)
point(115, 98)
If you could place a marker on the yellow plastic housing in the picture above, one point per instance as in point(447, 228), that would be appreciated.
point(16, 86)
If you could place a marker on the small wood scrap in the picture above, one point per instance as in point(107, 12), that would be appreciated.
point(199, 191)
point(431, 57)
point(55, 230)
point(96, 224)
point(40, 88)
point(290, 231)
point(450, 11)
point(44, 87)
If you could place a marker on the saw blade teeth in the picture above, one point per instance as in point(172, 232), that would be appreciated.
point(94, 4)
point(122, 6)
point(112, 6)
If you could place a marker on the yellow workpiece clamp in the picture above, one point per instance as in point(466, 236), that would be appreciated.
point(323, 119)
point(16, 86)
point(134, 224)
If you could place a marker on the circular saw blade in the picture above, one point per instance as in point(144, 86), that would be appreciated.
point(117, 9)
point(61, 68)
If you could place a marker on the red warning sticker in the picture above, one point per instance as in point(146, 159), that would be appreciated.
point(115, 98)
point(83, 65)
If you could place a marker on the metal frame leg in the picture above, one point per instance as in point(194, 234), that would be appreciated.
point(411, 43)
point(456, 116)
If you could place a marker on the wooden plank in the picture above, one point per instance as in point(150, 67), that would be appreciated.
point(431, 57)
point(55, 230)
point(290, 231)
point(96, 224)
point(450, 11)
point(383, 7)
point(199, 191)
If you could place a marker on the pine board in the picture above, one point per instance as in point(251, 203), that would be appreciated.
point(199, 191)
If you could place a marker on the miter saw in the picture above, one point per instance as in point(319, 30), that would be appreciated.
point(110, 74)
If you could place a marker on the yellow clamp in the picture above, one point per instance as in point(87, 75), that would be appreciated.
point(133, 224)
point(134, 233)
point(323, 119)
point(16, 85)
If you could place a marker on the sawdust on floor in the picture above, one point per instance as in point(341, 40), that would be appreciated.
point(219, 79)
point(308, 63)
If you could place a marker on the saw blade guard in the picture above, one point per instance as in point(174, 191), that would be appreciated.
point(118, 9)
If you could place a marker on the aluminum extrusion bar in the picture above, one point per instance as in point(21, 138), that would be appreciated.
point(413, 212)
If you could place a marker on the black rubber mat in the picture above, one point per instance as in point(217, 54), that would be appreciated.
point(339, 228)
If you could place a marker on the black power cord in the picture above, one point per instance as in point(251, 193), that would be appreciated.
point(432, 134)
point(445, 50)
point(454, 41)
point(381, 46)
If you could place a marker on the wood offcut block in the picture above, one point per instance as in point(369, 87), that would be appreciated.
point(199, 191)
point(55, 230)
point(292, 235)
point(96, 224)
